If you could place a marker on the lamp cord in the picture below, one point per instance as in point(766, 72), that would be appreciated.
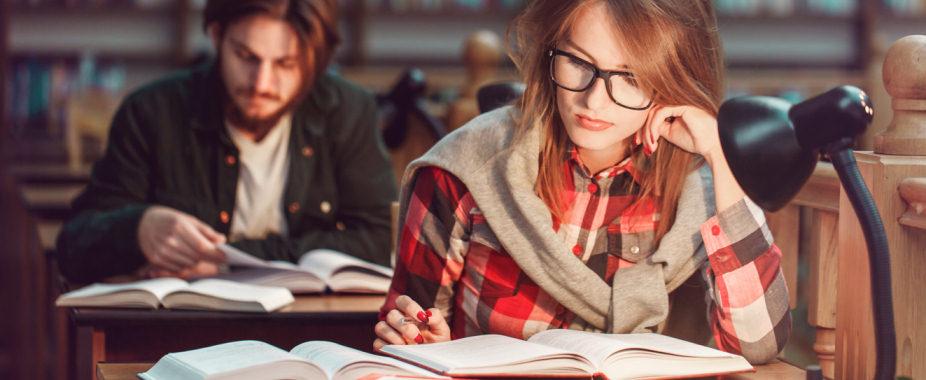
point(878, 257)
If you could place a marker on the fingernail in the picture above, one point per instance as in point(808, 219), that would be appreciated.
point(646, 151)
point(428, 312)
point(422, 317)
point(419, 339)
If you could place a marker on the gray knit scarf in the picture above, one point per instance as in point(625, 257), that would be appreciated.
point(500, 171)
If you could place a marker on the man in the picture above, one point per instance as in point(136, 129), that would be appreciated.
point(263, 148)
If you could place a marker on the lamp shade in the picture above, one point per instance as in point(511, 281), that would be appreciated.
point(772, 147)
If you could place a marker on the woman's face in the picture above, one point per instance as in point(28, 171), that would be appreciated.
point(593, 121)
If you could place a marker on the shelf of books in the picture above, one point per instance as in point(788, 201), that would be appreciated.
point(57, 48)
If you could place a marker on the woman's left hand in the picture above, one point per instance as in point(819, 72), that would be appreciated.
point(690, 128)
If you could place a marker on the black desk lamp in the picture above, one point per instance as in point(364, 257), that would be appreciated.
point(772, 148)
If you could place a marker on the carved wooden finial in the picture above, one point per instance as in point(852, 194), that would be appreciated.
point(904, 75)
point(482, 53)
point(482, 56)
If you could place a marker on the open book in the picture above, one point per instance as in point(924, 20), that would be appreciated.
point(317, 270)
point(258, 360)
point(570, 353)
point(174, 293)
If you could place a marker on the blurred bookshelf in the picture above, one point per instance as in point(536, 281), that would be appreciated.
point(55, 48)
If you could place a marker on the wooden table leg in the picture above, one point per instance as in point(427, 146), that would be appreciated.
point(98, 339)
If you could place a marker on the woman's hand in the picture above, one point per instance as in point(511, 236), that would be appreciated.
point(689, 128)
point(695, 131)
point(408, 323)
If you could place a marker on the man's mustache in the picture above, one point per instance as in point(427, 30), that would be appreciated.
point(250, 93)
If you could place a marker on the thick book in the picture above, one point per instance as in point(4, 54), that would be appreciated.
point(258, 360)
point(174, 293)
point(317, 271)
point(570, 353)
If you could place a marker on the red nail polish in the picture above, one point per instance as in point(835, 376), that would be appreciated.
point(428, 312)
point(419, 339)
point(422, 317)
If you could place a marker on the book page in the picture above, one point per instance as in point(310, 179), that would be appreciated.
point(159, 287)
point(325, 262)
point(336, 359)
point(228, 295)
point(589, 343)
point(237, 257)
point(481, 353)
point(224, 359)
point(669, 345)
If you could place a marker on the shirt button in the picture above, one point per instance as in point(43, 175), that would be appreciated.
point(634, 250)
point(325, 207)
point(715, 230)
point(307, 151)
point(223, 216)
point(592, 188)
point(340, 226)
point(293, 207)
point(230, 160)
point(577, 249)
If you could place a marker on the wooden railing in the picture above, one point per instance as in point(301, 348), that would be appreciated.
point(839, 299)
point(818, 200)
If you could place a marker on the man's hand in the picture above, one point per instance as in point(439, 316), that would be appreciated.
point(177, 242)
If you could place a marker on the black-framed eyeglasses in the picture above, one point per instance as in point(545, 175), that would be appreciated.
point(576, 74)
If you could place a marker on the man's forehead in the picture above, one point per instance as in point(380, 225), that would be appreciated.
point(265, 36)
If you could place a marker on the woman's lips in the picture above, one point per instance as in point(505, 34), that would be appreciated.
point(594, 125)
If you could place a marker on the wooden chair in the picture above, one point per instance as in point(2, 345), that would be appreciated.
point(409, 129)
point(88, 114)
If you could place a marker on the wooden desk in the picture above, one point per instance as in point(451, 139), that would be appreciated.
point(126, 335)
point(51, 174)
point(776, 370)
point(50, 201)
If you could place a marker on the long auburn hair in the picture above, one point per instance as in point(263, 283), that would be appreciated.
point(675, 52)
point(315, 22)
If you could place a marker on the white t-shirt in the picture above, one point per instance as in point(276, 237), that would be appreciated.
point(262, 173)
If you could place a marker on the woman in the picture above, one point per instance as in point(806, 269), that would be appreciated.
point(591, 203)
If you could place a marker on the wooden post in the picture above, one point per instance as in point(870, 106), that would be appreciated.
point(904, 75)
point(900, 154)
point(482, 54)
point(821, 196)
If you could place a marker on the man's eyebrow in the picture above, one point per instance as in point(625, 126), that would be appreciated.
point(240, 45)
point(588, 56)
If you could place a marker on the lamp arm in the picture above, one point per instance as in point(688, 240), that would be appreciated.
point(878, 257)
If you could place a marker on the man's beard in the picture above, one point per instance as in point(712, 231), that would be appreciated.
point(258, 125)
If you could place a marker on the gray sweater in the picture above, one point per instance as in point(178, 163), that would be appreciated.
point(499, 166)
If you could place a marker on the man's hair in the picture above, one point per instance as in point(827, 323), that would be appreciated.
point(315, 22)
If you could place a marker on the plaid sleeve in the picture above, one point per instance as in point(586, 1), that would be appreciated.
point(749, 310)
point(431, 246)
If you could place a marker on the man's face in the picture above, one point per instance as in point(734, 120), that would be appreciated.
point(262, 67)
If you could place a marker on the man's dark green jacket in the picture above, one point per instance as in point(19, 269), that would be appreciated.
point(168, 146)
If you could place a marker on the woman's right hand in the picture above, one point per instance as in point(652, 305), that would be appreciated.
point(408, 323)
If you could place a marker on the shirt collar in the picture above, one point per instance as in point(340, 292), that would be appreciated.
point(625, 166)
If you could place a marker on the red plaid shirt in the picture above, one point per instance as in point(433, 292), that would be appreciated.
point(448, 258)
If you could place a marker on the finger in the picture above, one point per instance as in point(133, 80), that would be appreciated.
point(182, 253)
point(211, 234)
point(387, 334)
point(660, 122)
point(204, 249)
point(165, 259)
point(437, 325)
point(406, 328)
point(378, 344)
point(411, 308)
point(200, 269)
